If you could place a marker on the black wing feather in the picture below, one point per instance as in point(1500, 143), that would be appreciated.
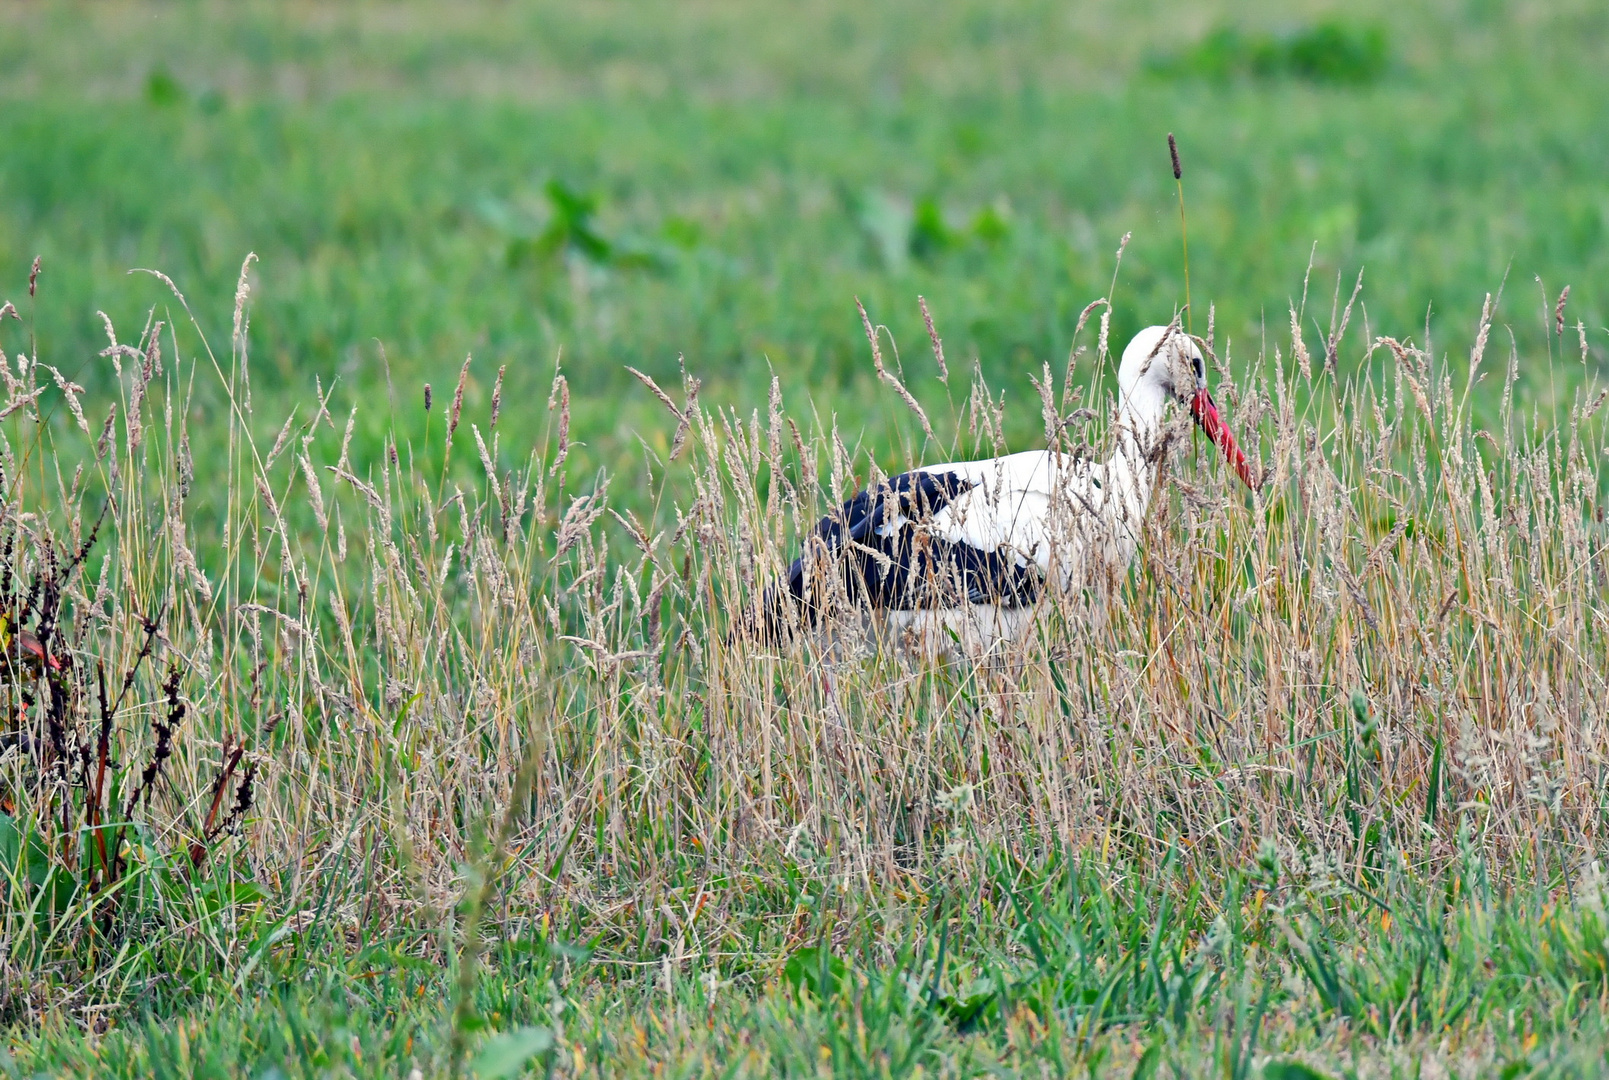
point(901, 568)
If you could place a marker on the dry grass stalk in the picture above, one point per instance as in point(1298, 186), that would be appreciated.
point(418, 654)
point(889, 377)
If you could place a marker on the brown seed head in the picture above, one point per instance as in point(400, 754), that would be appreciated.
point(561, 393)
point(427, 397)
point(1558, 310)
point(33, 276)
point(933, 336)
point(1173, 151)
point(458, 398)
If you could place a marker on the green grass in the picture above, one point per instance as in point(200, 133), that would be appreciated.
point(1328, 788)
point(389, 165)
point(1050, 968)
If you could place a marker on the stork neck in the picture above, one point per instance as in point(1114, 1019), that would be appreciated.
point(1139, 423)
point(1131, 471)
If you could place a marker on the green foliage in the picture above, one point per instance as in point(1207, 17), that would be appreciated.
point(358, 157)
point(162, 89)
point(815, 970)
point(1287, 1069)
point(931, 236)
point(506, 1055)
point(32, 881)
point(1067, 976)
point(571, 227)
point(1327, 52)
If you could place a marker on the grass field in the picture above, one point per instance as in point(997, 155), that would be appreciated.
point(394, 739)
point(752, 170)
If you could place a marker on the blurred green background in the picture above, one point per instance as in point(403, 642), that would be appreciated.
point(634, 181)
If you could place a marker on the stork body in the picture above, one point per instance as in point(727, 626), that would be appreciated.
point(963, 556)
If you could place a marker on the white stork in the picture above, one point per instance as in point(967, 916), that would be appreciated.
point(961, 557)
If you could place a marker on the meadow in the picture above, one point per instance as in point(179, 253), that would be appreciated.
point(404, 721)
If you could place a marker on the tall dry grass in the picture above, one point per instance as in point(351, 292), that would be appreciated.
point(1389, 657)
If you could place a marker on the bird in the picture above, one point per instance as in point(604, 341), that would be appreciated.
point(960, 558)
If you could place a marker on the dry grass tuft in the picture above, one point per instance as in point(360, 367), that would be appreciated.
point(1392, 655)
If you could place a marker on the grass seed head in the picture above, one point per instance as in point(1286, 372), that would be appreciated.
point(458, 398)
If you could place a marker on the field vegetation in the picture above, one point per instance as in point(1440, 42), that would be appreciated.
point(373, 711)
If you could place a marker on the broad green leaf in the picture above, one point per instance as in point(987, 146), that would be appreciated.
point(506, 1055)
point(815, 969)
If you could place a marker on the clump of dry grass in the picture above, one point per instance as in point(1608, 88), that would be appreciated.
point(1390, 656)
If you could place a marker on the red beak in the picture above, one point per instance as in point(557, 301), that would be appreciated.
point(1205, 410)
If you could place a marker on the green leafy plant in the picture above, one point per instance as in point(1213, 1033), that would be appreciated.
point(1330, 51)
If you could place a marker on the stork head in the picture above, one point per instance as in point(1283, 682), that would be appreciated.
point(1162, 362)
